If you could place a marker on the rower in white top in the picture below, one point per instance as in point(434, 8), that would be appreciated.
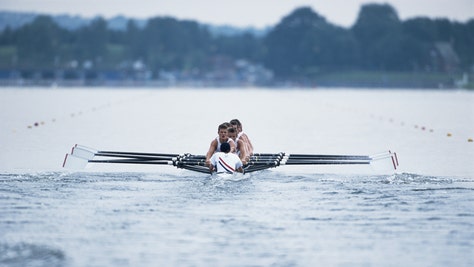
point(224, 161)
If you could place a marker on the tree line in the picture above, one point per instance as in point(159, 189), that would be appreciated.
point(302, 44)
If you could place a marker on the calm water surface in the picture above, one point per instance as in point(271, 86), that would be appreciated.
point(265, 219)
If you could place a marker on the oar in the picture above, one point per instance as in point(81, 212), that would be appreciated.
point(89, 151)
point(309, 162)
point(323, 162)
point(254, 168)
point(75, 162)
point(305, 159)
point(200, 169)
point(81, 155)
point(312, 156)
point(79, 152)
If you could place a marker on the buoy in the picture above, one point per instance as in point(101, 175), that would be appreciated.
point(36, 124)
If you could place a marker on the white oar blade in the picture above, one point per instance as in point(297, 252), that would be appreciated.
point(74, 163)
point(381, 155)
point(92, 150)
point(387, 161)
point(82, 153)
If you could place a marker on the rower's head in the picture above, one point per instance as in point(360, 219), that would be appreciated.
point(225, 147)
point(236, 124)
point(222, 131)
point(232, 133)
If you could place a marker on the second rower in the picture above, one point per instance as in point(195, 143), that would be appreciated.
point(240, 147)
point(216, 143)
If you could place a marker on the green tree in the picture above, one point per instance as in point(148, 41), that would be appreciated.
point(167, 43)
point(463, 43)
point(92, 41)
point(303, 44)
point(134, 48)
point(39, 43)
point(379, 33)
point(242, 46)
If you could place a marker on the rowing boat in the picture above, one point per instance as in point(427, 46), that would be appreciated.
point(81, 155)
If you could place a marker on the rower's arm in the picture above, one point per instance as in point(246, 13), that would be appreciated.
point(248, 144)
point(243, 152)
point(232, 146)
point(210, 152)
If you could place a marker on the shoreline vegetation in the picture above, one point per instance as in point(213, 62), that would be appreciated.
point(303, 50)
point(356, 79)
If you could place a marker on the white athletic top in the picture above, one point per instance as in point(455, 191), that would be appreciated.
point(237, 141)
point(237, 148)
point(226, 162)
point(247, 145)
point(218, 149)
point(239, 135)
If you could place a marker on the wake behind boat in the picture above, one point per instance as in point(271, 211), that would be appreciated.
point(80, 156)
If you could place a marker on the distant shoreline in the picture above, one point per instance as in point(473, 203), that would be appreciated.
point(355, 79)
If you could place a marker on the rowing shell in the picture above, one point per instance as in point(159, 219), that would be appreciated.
point(80, 156)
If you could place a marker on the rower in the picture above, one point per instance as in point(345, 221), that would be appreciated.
point(240, 146)
point(241, 135)
point(224, 161)
point(220, 139)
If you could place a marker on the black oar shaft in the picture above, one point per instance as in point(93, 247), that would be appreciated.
point(130, 161)
point(256, 162)
point(256, 168)
point(310, 156)
point(133, 156)
point(200, 169)
point(137, 153)
point(324, 162)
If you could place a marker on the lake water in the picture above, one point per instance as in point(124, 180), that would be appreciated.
point(422, 214)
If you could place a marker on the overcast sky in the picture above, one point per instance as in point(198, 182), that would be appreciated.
point(257, 13)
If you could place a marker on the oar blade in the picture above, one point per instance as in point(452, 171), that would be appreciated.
point(74, 163)
point(93, 150)
point(385, 161)
point(82, 153)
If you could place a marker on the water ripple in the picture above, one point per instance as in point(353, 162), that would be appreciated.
point(24, 254)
